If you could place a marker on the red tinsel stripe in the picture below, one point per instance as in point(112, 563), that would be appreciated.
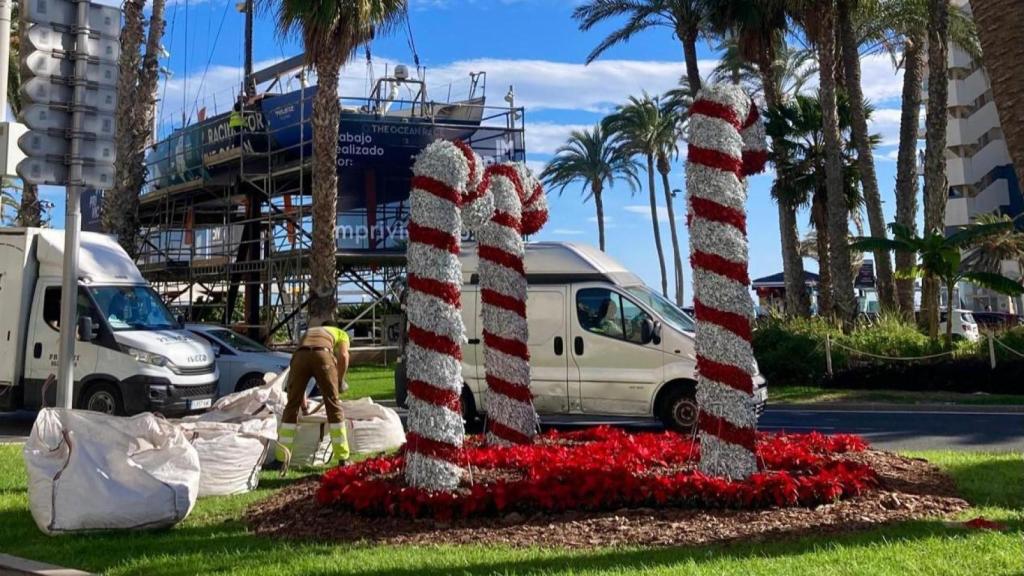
point(538, 190)
point(499, 256)
point(436, 342)
point(752, 116)
point(505, 219)
point(432, 448)
point(721, 266)
point(754, 161)
point(715, 110)
point(437, 188)
point(711, 210)
point(735, 323)
point(533, 221)
point(499, 300)
point(507, 434)
point(727, 431)
point(433, 237)
point(469, 155)
point(730, 376)
point(506, 388)
point(508, 171)
point(507, 346)
point(433, 395)
point(714, 159)
point(449, 293)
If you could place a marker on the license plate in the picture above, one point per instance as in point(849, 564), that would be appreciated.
point(762, 395)
point(201, 403)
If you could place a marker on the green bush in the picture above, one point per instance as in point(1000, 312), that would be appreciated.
point(792, 350)
point(891, 336)
point(1013, 338)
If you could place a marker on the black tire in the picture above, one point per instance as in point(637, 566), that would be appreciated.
point(249, 381)
point(678, 409)
point(103, 397)
point(474, 423)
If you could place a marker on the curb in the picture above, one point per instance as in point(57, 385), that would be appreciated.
point(890, 407)
point(14, 566)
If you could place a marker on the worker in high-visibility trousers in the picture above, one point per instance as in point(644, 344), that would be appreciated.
point(322, 354)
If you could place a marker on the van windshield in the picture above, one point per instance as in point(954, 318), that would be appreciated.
point(668, 311)
point(132, 308)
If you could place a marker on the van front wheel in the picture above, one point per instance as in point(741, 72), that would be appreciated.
point(679, 410)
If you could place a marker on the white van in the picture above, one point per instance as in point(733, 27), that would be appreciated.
point(579, 366)
point(132, 355)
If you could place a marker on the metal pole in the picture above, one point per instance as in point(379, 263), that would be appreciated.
point(5, 47)
point(828, 355)
point(73, 220)
point(249, 85)
point(992, 349)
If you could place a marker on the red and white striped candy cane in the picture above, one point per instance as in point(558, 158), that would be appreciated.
point(726, 144)
point(520, 207)
point(445, 198)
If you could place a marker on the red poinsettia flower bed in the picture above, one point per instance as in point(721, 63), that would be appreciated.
point(606, 469)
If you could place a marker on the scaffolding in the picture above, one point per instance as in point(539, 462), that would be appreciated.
point(226, 219)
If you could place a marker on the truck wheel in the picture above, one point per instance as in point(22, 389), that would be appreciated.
point(249, 381)
point(104, 398)
point(679, 410)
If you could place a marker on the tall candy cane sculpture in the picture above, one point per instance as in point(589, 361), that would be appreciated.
point(520, 207)
point(446, 197)
point(727, 143)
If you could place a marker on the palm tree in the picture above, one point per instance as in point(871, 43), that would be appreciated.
point(799, 154)
point(899, 27)
point(866, 163)
point(793, 69)
point(940, 259)
point(936, 186)
point(28, 210)
point(641, 126)
point(818, 20)
point(594, 158)
point(138, 73)
point(989, 253)
point(673, 116)
point(683, 17)
point(1002, 37)
point(760, 27)
point(330, 33)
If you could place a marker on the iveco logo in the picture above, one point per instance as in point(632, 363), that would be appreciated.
point(197, 359)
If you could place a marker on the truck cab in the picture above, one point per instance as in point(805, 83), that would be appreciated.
point(601, 342)
point(131, 356)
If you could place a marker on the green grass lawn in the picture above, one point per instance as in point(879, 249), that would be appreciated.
point(813, 394)
point(212, 540)
point(377, 382)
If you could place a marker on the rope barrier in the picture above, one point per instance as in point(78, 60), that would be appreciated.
point(897, 358)
point(1007, 348)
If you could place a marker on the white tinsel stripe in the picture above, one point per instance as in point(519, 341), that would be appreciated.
point(433, 211)
point(508, 368)
point(421, 470)
point(442, 425)
point(708, 131)
point(730, 96)
point(725, 402)
point(715, 185)
point(436, 308)
point(706, 235)
point(501, 321)
point(725, 459)
point(437, 264)
point(504, 409)
point(432, 368)
point(717, 291)
point(724, 347)
point(501, 279)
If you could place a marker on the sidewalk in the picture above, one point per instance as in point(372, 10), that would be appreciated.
point(893, 407)
point(14, 566)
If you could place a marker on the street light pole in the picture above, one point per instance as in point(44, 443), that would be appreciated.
point(5, 52)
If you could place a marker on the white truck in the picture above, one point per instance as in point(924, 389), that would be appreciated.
point(132, 355)
point(647, 367)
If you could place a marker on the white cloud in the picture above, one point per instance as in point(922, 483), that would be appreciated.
point(546, 137)
point(567, 232)
point(886, 123)
point(644, 210)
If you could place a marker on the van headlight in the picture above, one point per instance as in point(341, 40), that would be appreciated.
point(148, 357)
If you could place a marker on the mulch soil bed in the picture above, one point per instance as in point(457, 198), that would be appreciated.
point(901, 489)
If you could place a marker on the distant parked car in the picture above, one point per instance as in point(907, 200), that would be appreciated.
point(993, 321)
point(242, 361)
point(964, 325)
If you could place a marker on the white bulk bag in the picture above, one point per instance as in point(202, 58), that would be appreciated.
point(311, 447)
point(371, 427)
point(91, 471)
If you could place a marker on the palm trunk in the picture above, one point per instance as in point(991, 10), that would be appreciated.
point(1002, 39)
point(677, 261)
point(29, 212)
point(843, 299)
point(597, 188)
point(689, 38)
point(935, 184)
point(114, 213)
point(325, 118)
point(865, 158)
point(906, 164)
point(797, 302)
point(819, 213)
point(657, 225)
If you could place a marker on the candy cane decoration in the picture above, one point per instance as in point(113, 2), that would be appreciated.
point(520, 207)
point(727, 143)
point(445, 198)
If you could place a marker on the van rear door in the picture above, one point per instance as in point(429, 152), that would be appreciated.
point(618, 372)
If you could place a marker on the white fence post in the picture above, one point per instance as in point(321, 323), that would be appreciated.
point(992, 349)
point(828, 355)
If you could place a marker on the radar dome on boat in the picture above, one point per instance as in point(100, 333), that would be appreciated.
point(402, 72)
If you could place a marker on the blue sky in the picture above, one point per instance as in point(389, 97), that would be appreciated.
point(535, 46)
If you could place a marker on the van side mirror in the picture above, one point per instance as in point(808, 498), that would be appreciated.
point(86, 331)
point(649, 331)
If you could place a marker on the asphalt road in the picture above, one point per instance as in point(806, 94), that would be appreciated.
point(888, 430)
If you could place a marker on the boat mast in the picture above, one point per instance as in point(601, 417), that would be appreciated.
point(249, 86)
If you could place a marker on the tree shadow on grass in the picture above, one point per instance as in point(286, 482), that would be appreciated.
point(997, 481)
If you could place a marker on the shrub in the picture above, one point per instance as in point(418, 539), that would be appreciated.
point(1013, 339)
point(891, 336)
point(791, 350)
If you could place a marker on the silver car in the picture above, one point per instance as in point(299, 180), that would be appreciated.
point(242, 361)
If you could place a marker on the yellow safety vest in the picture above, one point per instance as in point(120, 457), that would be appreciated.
point(235, 121)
